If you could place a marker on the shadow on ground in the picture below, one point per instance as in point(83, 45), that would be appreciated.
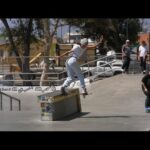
point(74, 116)
point(83, 115)
point(106, 117)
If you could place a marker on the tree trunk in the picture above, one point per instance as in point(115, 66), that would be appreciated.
point(13, 46)
point(26, 55)
point(47, 46)
point(48, 36)
point(69, 32)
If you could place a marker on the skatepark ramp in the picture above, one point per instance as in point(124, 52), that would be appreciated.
point(11, 98)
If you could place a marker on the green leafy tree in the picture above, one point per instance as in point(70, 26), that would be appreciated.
point(115, 31)
point(21, 33)
point(22, 30)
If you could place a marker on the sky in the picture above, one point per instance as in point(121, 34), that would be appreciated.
point(147, 24)
point(65, 28)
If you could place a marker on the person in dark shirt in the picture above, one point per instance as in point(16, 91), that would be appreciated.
point(126, 51)
point(146, 90)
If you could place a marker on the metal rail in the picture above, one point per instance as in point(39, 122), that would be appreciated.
point(60, 75)
point(11, 101)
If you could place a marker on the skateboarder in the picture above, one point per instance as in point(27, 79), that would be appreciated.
point(146, 90)
point(73, 68)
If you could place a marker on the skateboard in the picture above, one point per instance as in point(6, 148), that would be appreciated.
point(66, 93)
point(76, 84)
point(83, 95)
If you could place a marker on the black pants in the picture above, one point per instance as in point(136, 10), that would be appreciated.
point(126, 63)
point(143, 63)
point(147, 101)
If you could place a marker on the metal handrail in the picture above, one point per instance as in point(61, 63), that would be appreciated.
point(60, 73)
point(11, 100)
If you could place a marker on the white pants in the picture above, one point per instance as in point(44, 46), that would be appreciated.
point(73, 69)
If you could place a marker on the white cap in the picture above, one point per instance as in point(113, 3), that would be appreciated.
point(84, 41)
point(127, 40)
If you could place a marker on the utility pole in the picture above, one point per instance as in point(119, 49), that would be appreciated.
point(127, 30)
point(61, 30)
point(69, 32)
point(149, 48)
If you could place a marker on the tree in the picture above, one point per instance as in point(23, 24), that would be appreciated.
point(27, 31)
point(48, 38)
point(22, 30)
point(20, 36)
point(114, 30)
point(26, 50)
point(12, 43)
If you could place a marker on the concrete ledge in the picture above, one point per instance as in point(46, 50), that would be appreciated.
point(54, 106)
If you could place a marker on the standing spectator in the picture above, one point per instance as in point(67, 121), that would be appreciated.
point(126, 51)
point(143, 56)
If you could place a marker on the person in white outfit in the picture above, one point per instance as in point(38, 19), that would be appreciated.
point(143, 55)
point(72, 66)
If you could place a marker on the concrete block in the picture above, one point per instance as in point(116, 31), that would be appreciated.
point(54, 106)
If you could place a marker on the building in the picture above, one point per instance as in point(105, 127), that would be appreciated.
point(36, 50)
point(88, 56)
point(145, 37)
point(74, 37)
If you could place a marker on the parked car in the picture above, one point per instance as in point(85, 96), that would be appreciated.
point(117, 63)
point(104, 68)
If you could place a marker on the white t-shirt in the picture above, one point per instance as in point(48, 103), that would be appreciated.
point(77, 51)
point(143, 51)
